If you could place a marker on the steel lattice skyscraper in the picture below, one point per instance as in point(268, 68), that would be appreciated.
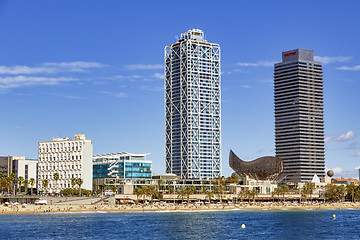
point(192, 107)
point(299, 121)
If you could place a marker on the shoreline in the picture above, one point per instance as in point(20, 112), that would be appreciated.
point(48, 209)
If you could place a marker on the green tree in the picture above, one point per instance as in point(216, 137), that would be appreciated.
point(12, 177)
point(241, 194)
point(145, 191)
point(138, 193)
point(308, 189)
point(350, 189)
point(335, 192)
point(9, 183)
point(219, 187)
point(45, 183)
point(283, 190)
point(26, 185)
point(232, 179)
point(73, 184)
point(209, 195)
point(189, 190)
point(56, 177)
point(160, 184)
point(20, 181)
point(79, 182)
point(253, 193)
point(32, 183)
point(114, 189)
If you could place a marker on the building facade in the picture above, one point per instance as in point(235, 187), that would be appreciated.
point(6, 166)
point(69, 158)
point(26, 168)
point(299, 122)
point(192, 107)
point(118, 169)
point(122, 165)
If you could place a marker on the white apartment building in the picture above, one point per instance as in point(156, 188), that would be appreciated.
point(26, 168)
point(69, 158)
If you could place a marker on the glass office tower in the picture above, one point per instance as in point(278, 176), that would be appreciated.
point(299, 122)
point(192, 107)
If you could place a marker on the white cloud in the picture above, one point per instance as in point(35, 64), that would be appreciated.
point(50, 68)
point(18, 128)
point(326, 60)
point(357, 167)
point(354, 68)
point(346, 136)
point(337, 170)
point(245, 86)
point(126, 77)
point(73, 66)
point(329, 139)
point(21, 81)
point(158, 75)
point(118, 95)
point(15, 70)
point(152, 88)
point(357, 154)
point(257, 64)
point(143, 66)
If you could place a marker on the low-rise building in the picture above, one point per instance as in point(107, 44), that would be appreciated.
point(122, 165)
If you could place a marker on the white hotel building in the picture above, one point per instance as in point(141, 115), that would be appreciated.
point(69, 158)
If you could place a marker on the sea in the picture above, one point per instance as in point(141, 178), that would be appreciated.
point(259, 224)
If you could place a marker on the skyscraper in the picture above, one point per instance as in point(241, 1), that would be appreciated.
point(299, 122)
point(192, 107)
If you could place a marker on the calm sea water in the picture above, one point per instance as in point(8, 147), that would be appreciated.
point(184, 225)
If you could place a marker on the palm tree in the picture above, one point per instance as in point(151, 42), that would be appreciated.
point(56, 178)
point(152, 192)
point(114, 188)
point(188, 191)
point(308, 188)
point(209, 195)
point(45, 183)
point(138, 193)
point(13, 178)
point(350, 189)
point(241, 195)
point(26, 184)
point(73, 184)
point(160, 183)
point(79, 182)
point(32, 183)
point(8, 182)
point(253, 193)
point(145, 190)
point(181, 193)
point(20, 181)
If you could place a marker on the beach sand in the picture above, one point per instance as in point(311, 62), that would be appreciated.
point(54, 208)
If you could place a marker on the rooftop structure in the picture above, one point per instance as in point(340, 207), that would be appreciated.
point(192, 107)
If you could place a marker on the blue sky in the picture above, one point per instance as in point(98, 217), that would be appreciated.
point(96, 67)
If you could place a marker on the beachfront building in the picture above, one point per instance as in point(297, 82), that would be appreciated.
point(122, 165)
point(192, 107)
point(21, 167)
point(299, 121)
point(69, 158)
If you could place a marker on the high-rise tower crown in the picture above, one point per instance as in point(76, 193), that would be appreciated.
point(194, 34)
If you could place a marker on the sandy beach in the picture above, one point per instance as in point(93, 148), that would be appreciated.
point(70, 208)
